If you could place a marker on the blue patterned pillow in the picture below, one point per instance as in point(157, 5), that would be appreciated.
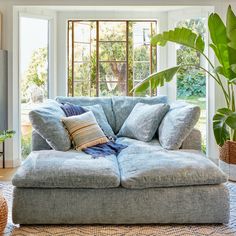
point(72, 110)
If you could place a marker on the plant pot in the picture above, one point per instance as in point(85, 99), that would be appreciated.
point(227, 161)
point(3, 213)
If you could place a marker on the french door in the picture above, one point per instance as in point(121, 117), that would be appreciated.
point(34, 71)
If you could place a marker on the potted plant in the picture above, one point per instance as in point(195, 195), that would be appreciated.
point(223, 37)
point(5, 134)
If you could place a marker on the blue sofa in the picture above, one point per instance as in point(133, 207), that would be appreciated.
point(144, 184)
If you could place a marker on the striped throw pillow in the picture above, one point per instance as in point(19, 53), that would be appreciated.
point(84, 130)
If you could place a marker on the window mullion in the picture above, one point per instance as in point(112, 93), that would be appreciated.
point(97, 58)
point(127, 58)
point(73, 48)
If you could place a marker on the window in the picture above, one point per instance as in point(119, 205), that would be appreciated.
point(107, 58)
point(191, 84)
point(33, 72)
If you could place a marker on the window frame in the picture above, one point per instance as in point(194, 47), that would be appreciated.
point(171, 87)
point(51, 83)
point(126, 61)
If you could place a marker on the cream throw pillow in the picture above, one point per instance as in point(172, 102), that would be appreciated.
point(84, 130)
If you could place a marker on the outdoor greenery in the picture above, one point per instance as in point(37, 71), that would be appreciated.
point(191, 82)
point(25, 145)
point(35, 76)
point(224, 47)
point(33, 90)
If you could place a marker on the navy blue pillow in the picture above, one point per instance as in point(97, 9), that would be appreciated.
point(72, 110)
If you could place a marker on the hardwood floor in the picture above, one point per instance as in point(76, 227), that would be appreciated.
point(7, 174)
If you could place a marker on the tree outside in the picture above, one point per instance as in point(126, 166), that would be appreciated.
point(112, 57)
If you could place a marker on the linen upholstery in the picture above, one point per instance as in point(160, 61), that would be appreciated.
point(177, 124)
point(71, 169)
point(143, 121)
point(193, 141)
point(122, 107)
point(147, 165)
point(191, 204)
point(101, 119)
point(46, 120)
point(105, 102)
point(84, 130)
point(38, 143)
point(55, 187)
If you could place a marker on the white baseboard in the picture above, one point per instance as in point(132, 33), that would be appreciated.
point(10, 163)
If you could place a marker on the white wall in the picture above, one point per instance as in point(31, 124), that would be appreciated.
point(9, 43)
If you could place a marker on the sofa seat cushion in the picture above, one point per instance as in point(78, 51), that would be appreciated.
point(148, 165)
point(72, 169)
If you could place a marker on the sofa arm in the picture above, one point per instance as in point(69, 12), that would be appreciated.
point(193, 141)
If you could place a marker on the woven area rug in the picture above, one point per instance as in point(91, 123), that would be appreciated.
point(107, 230)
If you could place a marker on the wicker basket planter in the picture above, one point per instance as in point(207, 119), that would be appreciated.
point(3, 213)
point(228, 159)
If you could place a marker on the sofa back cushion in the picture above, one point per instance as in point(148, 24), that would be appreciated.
point(101, 119)
point(143, 121)
point(122, 107)
point(177, 124)
point(46, 120)
point(105, 102)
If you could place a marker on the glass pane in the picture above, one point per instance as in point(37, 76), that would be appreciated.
point(112, 31)
point(69, 51)
point(141, 70)
point(112, 89)
point(82, 88)
point(82, 32)
point(81, 71)
point(112, 71)
point(81, 52)
point(141, 53)
point(191, 84)
point(33, 73)
point(112, 51)
point(141, 33)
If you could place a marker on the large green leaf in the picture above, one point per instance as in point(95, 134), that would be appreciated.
point(219, 44)
point(231, 28)
point(223, 119)
point(231, 34)
point(157, 79)
point(181, 36)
